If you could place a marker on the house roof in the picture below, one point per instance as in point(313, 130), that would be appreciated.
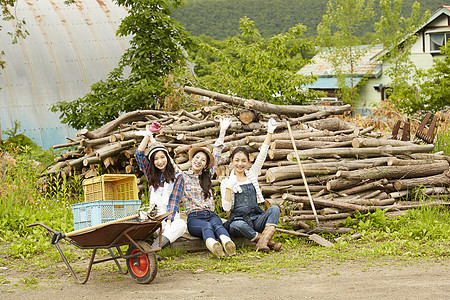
point(367, 65)
point(444, 9)
point(331, 83)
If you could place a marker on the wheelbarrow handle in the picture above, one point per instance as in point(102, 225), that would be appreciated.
point(56, 235)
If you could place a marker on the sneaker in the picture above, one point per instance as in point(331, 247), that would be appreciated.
point(215, 247)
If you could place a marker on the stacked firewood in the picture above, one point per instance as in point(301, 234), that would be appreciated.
point(346, 167)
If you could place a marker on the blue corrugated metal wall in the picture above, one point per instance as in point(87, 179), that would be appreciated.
point(69, 48)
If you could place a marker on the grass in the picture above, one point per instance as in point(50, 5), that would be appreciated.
point(420, 234)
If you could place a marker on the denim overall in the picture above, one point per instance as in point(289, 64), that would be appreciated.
point(247, 218)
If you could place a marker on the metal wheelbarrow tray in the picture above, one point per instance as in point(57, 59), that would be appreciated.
point(140, 258)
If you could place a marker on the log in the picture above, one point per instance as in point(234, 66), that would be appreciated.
point(331, 124)
point(288, 110)
point(394, 161)
point(299, 181)
point(267, 190)
point(300, 144)
point(109, 161)
point(363, 152)
point(329, 203)
point(364, 187)
point(91, 161)
point(362, 143)
point(395, 172)
point(321, 217)
point(113, 148)
point(125, 118)
point(248, 116)
point(428, 181)
point(289, 172)
point(341, 183)
point(78, 161)
point(298, 135)
point(71, 144)
point(194, 127)
point(232, 137)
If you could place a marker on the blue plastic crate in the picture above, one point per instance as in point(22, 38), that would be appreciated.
point(92, 213)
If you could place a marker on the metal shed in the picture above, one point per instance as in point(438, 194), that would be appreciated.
point(69, 48)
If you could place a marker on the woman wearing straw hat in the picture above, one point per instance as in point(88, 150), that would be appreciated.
point(160, 172)
point(241, 194)
point(193, 187)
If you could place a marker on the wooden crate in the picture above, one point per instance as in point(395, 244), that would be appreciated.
point(110, 187)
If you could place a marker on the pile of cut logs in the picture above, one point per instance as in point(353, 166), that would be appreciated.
point(346, 167)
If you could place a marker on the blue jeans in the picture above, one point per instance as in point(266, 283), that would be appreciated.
point(205, 224)
point(239, 228)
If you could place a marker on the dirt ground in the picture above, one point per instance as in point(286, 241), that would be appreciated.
point(356, 280)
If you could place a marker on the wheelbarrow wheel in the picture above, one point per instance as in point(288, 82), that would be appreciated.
point(142, 268)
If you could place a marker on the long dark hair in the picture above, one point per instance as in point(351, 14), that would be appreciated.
point(154, 177)
point(240, 149)
point(205, 178)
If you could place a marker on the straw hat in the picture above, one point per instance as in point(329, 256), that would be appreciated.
point(155, 147)
point(194, 150)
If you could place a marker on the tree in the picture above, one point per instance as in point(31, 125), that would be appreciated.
point(19, 31)
point(254, 68)
point(157, 49)
point(434, 88)
point(397, 34)
point(337, 34)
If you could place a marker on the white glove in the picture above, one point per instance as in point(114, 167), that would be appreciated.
point(232, 184)
point(271, 125)
point(224, 124)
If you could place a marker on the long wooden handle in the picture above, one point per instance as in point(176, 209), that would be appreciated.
point(302, 172)
point(101, 225)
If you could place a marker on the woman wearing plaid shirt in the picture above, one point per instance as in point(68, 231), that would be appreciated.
point(160, 172)
point(193, 187)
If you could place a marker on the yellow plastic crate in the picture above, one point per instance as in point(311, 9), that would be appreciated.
point(110, 187)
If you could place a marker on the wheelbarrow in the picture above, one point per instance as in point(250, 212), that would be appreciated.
point(140, 258)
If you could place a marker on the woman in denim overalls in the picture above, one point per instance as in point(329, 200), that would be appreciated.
point(241, 194)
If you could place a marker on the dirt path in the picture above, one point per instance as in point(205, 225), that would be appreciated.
point(382, 280)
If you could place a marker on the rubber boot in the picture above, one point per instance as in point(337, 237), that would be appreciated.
point(272, 245)
point(228, 245)
point(164, 243)
point(215, 247)
point(266, 236)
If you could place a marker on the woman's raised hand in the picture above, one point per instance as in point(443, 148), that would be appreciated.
point(271, 125)
point(148, 132)
point(232, 184)
point(224, 124)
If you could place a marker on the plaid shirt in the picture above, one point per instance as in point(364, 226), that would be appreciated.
point(143, 162)
point(187, 188)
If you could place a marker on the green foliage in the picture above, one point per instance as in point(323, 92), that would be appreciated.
point(23, 201)
point(426, 223)
point(253, 68)
point(8, 15)
point(338, 34)
point(157, 49)
point(442, 141)
point(393, 30)
point(23, 145)
point(434, 88)
point(219, 19)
